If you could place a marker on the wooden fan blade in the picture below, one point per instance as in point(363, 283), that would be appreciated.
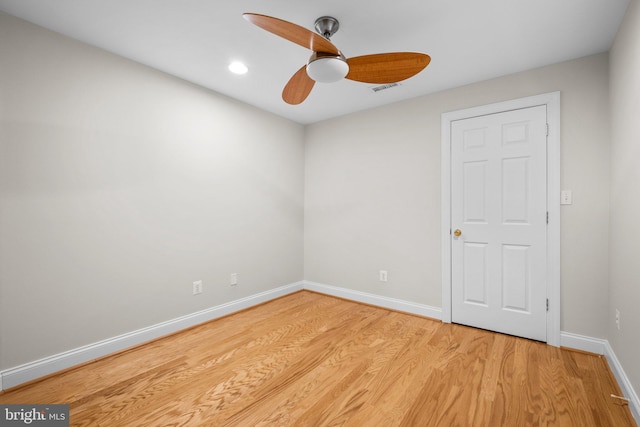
point(386, 67)
point(298, 87)
point(292, 32)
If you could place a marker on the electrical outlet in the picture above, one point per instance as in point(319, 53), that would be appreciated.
point(383, 275)
point(618, 318)
point(233, 279)
point(197, 287)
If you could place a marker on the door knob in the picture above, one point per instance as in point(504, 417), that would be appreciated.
point(457, 233)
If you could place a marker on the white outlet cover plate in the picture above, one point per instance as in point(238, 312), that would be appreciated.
point(197, 287)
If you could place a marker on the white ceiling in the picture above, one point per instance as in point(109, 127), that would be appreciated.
point(468, 41)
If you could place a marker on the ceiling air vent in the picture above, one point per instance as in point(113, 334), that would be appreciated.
point(384, 87)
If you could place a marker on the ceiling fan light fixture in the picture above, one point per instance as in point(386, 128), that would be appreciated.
point(327, 69)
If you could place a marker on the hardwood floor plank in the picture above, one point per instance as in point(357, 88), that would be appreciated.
point(311, 360)
point(502, 398)
point(342, 345)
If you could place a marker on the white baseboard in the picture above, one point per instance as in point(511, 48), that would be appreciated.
point(581, 342)
point(623, 381)
point(40, 368)
point(601, 346)
point(377, 300)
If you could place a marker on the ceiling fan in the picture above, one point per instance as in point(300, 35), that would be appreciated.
point(327, 64)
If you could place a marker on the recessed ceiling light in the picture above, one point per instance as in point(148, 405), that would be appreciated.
point(238, 68)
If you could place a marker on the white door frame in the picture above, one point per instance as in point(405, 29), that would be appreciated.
point(552, 101)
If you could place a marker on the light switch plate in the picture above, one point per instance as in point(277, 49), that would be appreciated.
point(566, 197)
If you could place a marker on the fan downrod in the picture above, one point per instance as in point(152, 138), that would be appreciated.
point(327, 26)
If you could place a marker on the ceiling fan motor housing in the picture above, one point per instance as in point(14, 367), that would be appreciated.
point(327, 26)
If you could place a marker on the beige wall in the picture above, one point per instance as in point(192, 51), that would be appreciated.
point(372, 191)
point(625, 194)
point(120, 186)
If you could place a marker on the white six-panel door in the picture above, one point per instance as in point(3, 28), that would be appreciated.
point(499, 210)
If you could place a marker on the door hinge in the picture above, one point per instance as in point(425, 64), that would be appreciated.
point(547, 129)
point(547, 304)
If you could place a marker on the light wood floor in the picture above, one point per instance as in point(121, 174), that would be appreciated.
point(311, 360)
